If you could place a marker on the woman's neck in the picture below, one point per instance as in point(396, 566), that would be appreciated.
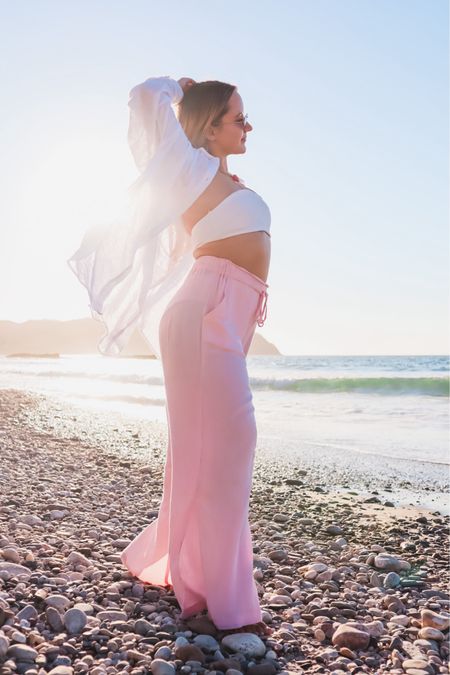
point(225, 171)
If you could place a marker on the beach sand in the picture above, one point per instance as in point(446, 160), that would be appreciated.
point(348, 582)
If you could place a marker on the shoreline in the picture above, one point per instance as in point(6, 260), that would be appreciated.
point(401, 481)
point(77, 486)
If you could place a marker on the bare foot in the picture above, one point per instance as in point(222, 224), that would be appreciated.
point(260, 628)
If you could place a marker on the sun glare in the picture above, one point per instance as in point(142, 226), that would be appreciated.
point(80, 181)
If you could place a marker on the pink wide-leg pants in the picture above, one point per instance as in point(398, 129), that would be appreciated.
point(201, 543)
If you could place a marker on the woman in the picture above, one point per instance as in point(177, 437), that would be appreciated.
point(206, 302)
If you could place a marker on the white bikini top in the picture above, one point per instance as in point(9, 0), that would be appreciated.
point(241, 211)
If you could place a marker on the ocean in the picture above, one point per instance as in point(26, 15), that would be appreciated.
point(394, 406)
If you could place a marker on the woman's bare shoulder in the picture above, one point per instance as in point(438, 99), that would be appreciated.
point(219, 188)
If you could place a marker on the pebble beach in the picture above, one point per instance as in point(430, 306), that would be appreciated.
point(349, 582)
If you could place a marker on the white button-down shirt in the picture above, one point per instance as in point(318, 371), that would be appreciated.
point(133, 266)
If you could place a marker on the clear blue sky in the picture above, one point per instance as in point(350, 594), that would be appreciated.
point(349, 104)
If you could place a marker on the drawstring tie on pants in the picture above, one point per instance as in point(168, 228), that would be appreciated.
point(262, 308)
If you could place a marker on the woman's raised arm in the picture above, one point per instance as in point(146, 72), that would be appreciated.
point(153, 124)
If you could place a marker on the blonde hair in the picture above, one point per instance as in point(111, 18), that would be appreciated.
point(202, 105)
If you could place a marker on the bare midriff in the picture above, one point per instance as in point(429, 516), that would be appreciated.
point(250, 250)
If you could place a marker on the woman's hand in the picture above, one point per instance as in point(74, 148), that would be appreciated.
point(185, 83)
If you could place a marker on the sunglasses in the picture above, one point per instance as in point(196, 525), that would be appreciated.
point(242, 123)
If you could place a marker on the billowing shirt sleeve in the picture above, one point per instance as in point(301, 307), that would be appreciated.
point(132, 266)
point(152, 120)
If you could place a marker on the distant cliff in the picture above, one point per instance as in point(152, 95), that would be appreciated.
point(80, 336)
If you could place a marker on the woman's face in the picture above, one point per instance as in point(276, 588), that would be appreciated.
point(229, 137)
